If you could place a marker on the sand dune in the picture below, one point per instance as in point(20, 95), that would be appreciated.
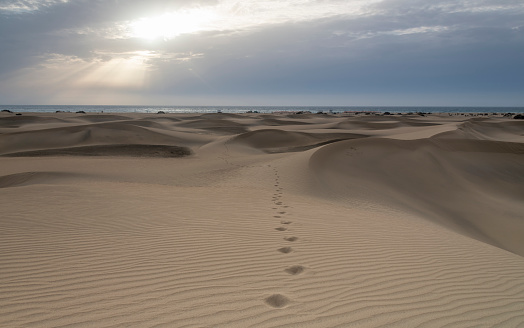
point(484, 129)
point(465, 183)
point(272, 121)
point(217, 125)
point(110, 150)
point(89, 135)
point(382, 122)
point(28, 178)
point(271, 221)
point(276, 140)
point(93, 118)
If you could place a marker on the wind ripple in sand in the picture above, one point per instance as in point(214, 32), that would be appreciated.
point(375, 280)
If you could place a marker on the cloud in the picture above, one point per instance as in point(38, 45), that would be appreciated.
point(297, 47)
point(25, 6)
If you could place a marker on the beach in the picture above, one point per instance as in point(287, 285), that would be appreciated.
point(261, 220)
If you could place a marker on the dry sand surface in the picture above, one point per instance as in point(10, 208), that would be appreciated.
point(253, 220)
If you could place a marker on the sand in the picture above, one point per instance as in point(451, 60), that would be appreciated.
point(257, 220)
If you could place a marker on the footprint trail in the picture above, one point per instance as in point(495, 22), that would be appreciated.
point(279, 301)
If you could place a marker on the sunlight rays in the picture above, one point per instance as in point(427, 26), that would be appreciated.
point(59, 74)
point(129, 71)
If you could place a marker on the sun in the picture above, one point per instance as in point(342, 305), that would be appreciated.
point(170, 25)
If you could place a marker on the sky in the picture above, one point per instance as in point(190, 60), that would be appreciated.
point(262, 52)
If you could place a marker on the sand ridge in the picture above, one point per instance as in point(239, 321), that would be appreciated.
point(266, 221)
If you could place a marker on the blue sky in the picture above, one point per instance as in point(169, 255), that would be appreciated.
point(271, 52)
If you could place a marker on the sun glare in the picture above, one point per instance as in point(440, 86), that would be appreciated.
point(170, 25)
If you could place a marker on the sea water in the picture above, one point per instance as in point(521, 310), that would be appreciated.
point(259, 109)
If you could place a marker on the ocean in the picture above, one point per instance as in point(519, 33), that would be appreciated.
point(260, 109)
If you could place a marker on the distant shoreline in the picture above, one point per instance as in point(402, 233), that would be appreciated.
point(259, 109)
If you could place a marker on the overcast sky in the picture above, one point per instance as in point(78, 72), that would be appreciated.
point(263, 52)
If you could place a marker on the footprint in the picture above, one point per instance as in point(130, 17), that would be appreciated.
point(284, 222)
point(281, 212)
point(291, 239)
point(296, 269)
point(277, 301)
point(278, 203)
point(277, 217)
point(285, 250)
point(281, 228)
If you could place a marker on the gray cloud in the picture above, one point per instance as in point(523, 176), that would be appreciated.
point(389, 47)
